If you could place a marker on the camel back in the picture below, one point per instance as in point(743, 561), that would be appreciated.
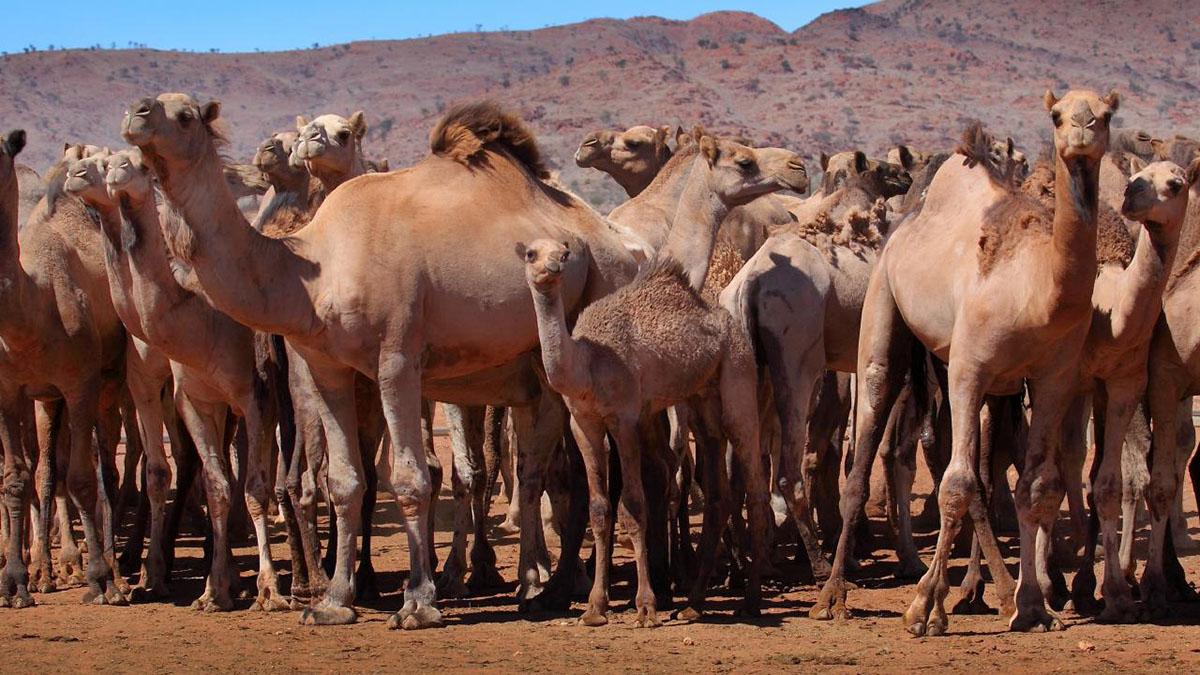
point(465, 131)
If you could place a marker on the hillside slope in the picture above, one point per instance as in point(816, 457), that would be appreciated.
point(898, 70)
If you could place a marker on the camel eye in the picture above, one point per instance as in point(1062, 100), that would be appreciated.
point(1175, 185)
point(530, 256)
point(1056, 117)
point(632, 144)
point(745, 163)
point(343, 135)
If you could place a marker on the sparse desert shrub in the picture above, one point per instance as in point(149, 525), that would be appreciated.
point(725, 64)
point(787, 66)
point(564, 80)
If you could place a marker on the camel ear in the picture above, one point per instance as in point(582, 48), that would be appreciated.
point(662, 134)
point(301, 122)
point(1135, 164)
point(1193, 172)
point(1157, 146)
point(708, 146)
point(861, 164)
point(1113, 100)
point(906, 157)
point(522, 251)
point(384, 167)
point(358, 123)
point(1009, 147)
point(824, 161)
point(14, 142)
point(209, 112)
point(681, 137)
point(1049, 100)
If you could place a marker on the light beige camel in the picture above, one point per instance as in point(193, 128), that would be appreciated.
point(331, 147)
point(1174, 374)
point(632, 157)
point(294, 194)
point(148, 373)
point(62, 346)
point(212, 359)
point(653, 344)
point(1126, 304)
point(1017, 310)
point(412, 318)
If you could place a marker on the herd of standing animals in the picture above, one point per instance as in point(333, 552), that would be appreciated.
point(717, 341)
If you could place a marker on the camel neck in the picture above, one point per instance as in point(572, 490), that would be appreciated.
point(1076, 204)
point(143, 248)
point(561, 356)
point(634, 184)
point(290, 198)
point(331, 178)
point(1138, 305)
point(694, 228)
point(257, 280)
point(10, 249)
point(649, 214)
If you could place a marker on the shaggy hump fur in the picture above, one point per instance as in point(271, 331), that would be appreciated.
point(1114, 243)
point(976, 146)
point(1007, 224)
point(462, 134)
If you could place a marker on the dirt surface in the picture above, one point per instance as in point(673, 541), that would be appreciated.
point(62, 635)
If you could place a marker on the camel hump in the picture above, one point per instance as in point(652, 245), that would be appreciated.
point(462, 134)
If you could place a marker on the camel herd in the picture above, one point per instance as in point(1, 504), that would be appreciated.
point(697, 344)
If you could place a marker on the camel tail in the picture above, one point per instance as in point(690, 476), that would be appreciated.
point(466, 130)
point(493, 428)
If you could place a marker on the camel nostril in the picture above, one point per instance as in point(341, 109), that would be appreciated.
point(553, 267)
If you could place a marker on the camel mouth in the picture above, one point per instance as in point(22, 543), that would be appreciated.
point(310, 148)
point(136, 130)
point(586, 155)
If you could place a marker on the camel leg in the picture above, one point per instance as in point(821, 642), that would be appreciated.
point(1106, 490)
point(451, 584)
point(308, 455)
point(827, 431)
point(1039, 494)
point(108, 436)
point(794, 383)
point(1160, 493)
point(718, 502)
point(900, 466)
point(435, 473)
point(14, 579)
point(1135, 475)
point(370, 432)
point(205, 423)
point(147, 400)
point(134, 447)
point(927, 615)
point(484, 574)
point(335, 405)
point(589, 434)
point(410, 485)
point(508, 472)
point(884, 355)
point(1185, 444)
point(260, 428)
point(633, 508)
point(71, 572)
point(49, 426)
point(539, 429)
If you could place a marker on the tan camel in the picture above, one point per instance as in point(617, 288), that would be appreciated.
point(408, 317)
point(613, 370)
point(1173, 351)
point(62, 346)
point(1018, 310)
point(212, 359)
point(147, 370)
point(294, 194)
point(1126, 304)
point(632, 157)
point(331, 147)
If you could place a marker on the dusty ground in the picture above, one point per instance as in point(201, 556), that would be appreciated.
point(60, 634)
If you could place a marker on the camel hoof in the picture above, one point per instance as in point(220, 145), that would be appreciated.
point(1037, 620)
point(46, 585)
point(916, 629)
point(688, 614)
point(19, 600)
point(420, 617)
point(484, 578)
point(911, 568)
point(270, 602)
point(508, 527)
point(452, 586)
point(1114, 612)
point(831, 604)
point(329, 616)
point(593, 618)
point(206, 603)
point(1085, 605)
point(649, 620)
point(971, 604)
point(155, 593)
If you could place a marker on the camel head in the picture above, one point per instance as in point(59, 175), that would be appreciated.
point(126, 175)
point(1081, 123)
point(274, 158)
point(1158, 193)
point(331, 142)
point(173, 127)
point(73, 152)
point(1008, 160)
point(738, 174)
point(878, 178)
point(85, 180)
point(638, 151)
point(11, 145)
point(545, 262)
point(908, 158)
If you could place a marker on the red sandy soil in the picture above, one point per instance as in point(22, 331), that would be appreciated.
point(62, 635)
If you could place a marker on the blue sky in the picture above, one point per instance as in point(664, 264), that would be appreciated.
point(274, 24)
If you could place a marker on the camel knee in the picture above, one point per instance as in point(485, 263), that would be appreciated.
point(81, 484)
point(1107, 494)
point(15, 484)
point(158, 480)
point(957, 490)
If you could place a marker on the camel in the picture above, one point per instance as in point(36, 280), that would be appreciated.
point(1172, 357)
point(212, 360)
point(1018, 310)
point(1127, 304)
point(409, 317)
point(613, 371)
point(632, 157)
point(148, 373)
point(63, 346)
point(294, 194)
point(331, 147)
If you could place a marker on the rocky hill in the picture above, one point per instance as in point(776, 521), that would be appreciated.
point(898, 70)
